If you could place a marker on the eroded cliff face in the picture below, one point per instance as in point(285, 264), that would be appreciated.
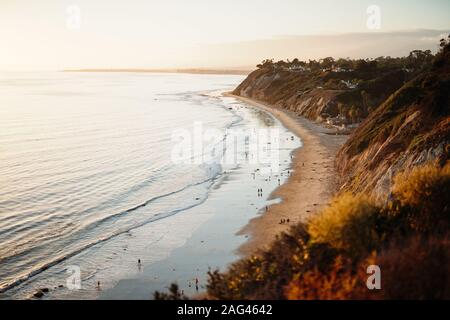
point(290, 91)
point(322, 96)
point(410, 128)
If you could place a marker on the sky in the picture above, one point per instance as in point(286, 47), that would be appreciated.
point(63, 34)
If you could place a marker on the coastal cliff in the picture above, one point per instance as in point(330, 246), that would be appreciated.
point(410, 128)
point(397, 111)
point(334, 96)
point(399, 155)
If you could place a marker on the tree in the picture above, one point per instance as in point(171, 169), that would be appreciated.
point(282, 63)
point(353, 113)
point(327, 63)
point(419, 59)
point(344, 63)
point(361, 65)
point(366, 65)
point(444, 42)
point(341, 108)
point(365, 99)
point(314, 65)
point(358, 114)
point(265, 63)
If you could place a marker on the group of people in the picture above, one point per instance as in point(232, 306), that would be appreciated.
point(284, 221)
point(196, 284)
point(260, 191)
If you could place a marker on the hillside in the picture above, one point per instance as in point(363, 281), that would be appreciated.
point(324, 93)
point(410, 128)
point(398, 105)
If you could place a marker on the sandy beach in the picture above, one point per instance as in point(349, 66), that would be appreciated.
point(311, 185)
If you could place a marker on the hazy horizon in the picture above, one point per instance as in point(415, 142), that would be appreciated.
point(57, 35)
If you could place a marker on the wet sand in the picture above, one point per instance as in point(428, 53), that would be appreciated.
point(311, 185)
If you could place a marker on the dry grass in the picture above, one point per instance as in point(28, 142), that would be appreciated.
point(341, 282)
point(423, 197)
point(350, 223)
point(327, 258)
point(417, 269)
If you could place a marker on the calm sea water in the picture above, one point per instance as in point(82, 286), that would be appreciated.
point(85, 163)
point(79, 153)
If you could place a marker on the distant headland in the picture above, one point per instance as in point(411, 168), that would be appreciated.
point(146, 70)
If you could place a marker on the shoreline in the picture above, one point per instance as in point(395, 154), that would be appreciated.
point(182, 248)
point(214, 244)
point(310, 187)
point(202, 248)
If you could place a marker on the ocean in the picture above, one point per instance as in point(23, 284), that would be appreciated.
point(89, 184)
